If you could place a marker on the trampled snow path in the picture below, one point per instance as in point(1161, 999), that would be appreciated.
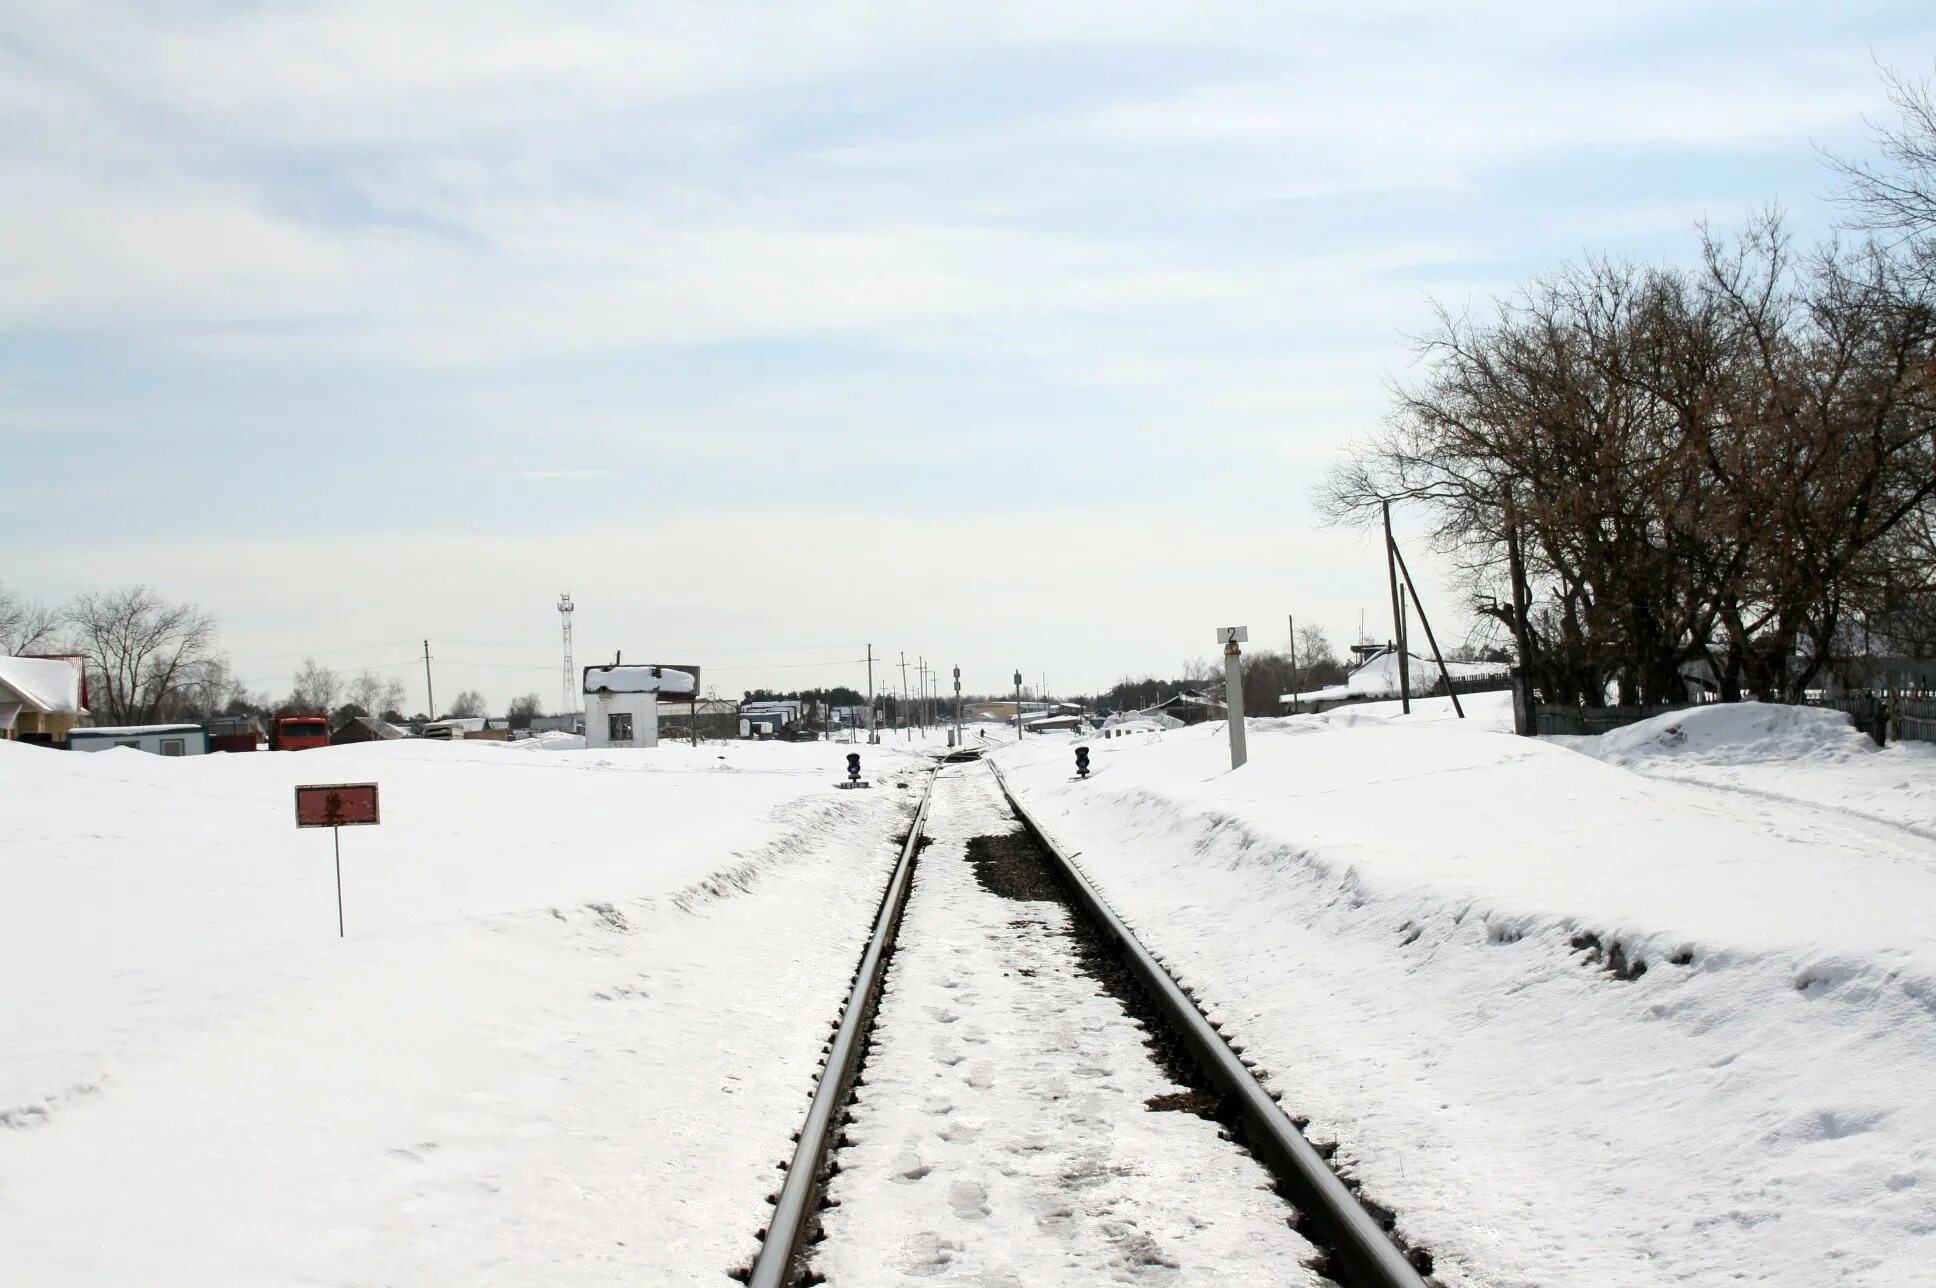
point(1002, 1137)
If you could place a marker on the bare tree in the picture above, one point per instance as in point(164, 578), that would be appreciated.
point(390, 702)
point(26, 626)
point(525, 709)
point(1317, 661)
point(467, 705)
point(1897, 194)
point(141, 651)
point(315, 689)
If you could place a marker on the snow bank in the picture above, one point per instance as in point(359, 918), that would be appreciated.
point(1783, 752)
point(1573, 1024)
point(572, 1027)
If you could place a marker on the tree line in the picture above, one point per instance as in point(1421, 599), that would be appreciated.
point(1647, 473)
point(152, 661)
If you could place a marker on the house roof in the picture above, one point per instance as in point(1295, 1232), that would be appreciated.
point(49, 687)
point(381, 728)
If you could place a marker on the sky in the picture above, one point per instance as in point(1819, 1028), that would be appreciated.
point(1008, 335)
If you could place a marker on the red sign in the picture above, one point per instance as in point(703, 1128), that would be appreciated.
point(336, 805)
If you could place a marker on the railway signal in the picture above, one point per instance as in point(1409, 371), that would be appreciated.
point(853, 770)
point(1082, 762)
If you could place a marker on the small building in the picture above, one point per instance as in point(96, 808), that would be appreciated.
point(468, 728)
point(156, 740)
point(234, 733)
point(366, 729)
point(1187, 706)
point(622, 702)
point(41, 699)
point(1376, 680)
point(715, 718)
point(1054, 723)
point(771, 718)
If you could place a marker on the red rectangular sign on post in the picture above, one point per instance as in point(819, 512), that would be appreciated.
point(336, 805)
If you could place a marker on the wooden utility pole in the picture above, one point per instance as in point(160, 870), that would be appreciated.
point(1444, 673)
point(904, 697)
point(873, 732)
point(430, 694)
point(1398, 613)
point(1295, 686)
point(1525, 719)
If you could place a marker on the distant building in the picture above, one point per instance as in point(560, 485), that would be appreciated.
point(458, 728)
point(771, 718)
point(157, 740)
point(1054, 723)
point(717, 718)
point(1377, 681)
point(1188, 707)
point(366, 729)
point(40, 698)
point(234, 733)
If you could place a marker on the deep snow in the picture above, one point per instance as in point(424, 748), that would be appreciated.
point(1410, 923)
point(575, 1020)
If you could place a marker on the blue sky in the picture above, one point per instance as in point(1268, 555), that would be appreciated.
point(1015, 335)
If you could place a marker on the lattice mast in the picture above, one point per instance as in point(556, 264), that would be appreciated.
point(569, 703)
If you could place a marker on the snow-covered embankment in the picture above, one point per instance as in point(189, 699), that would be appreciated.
point(1576, 1025)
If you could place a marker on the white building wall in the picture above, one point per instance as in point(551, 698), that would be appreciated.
point(642, 707)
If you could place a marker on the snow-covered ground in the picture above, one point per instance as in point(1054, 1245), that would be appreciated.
point(1431, 933)
point(575, 1019)
point(1003, 1136)
point(1785, 753)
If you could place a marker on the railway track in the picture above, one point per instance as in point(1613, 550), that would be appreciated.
point(1038, 1101)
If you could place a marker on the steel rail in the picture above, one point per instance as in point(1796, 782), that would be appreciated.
point(787, 1233)
point(1359, 1244)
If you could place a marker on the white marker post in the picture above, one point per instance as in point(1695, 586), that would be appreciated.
point(1233, 688)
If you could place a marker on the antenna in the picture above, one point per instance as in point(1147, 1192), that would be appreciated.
point(570, 695)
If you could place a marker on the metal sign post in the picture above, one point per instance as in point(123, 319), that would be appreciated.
point(1018, 706)
point(1233, 688)
point(337, 806)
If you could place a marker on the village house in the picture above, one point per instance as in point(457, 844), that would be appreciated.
point(41, 698)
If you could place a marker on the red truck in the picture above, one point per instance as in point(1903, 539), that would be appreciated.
point(296, 733)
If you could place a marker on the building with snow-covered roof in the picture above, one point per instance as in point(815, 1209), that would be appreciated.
point(156, 739)
point(1377, 681)
point(366, 729)
point(40, 698)
point(622, 702)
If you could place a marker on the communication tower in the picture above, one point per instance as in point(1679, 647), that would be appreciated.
point(569, 705)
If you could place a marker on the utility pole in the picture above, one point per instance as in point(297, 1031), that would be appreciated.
point(430, 695)
point(904, 696)
point(957, 706)
point(873, 731)
point(1398, 613)
point(1233, 689)
point(1524, 719)
point(1445, 673)
point(1295, 686)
